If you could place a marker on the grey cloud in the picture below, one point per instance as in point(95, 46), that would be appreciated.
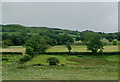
point(96, 16)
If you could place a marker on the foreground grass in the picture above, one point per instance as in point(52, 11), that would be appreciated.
point(76, 68)
point(61, 73)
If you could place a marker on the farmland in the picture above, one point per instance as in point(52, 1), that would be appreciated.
point(82, 48)
point(93, 67)
point(35, 44)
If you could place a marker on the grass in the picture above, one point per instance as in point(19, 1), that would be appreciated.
point(64, 49)
point(103, 67)
point(13, 49)
point(11, 58)
point(82, 48)
point(42, 59)
point(111, 48)
point(76, 68)
point(62, 73)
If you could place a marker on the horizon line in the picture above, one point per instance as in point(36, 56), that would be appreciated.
point(54, 27)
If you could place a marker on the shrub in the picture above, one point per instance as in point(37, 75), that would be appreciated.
point(53, 61)
point(110, 39)
point(25, 59)
point(114, 42)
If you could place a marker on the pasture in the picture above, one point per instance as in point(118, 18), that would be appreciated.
point(75, 68)
point(79, 67)
point(82, 48)
point(80, 64)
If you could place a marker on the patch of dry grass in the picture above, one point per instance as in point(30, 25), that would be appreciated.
point(82, 48)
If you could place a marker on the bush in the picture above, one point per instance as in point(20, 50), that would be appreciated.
point(53, 61)
point(110, 39)
point(114, 42)
point(25, 59)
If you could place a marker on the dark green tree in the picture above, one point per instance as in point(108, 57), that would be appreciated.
point(114, 42)
point(68, 45)
point(30, 51)
point(7, 42)
point(5, 36)
point(37, 43)
point(93, 41)
point(66, 38)
point(110, 39)
point(77, 38)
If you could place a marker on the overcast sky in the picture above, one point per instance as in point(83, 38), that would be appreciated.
point(96, 16)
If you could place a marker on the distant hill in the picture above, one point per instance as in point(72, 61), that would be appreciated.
point(15, 28)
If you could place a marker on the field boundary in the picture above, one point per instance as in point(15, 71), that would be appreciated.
point(20, 53)
point(67, 53)
point(79, 53)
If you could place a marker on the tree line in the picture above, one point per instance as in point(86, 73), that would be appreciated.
point(21, 38)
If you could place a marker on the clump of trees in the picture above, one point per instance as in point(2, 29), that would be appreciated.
point(66, 38)
point(53, 61)
point(7, 43)
point(14, 39)
point(93, 42)
point(51, 36)
point(36, 44)
point(39, 43)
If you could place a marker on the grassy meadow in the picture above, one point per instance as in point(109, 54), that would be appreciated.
point(79, 67)
point(75, 68)
point(82, 48)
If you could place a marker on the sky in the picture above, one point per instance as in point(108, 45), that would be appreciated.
point(95, 16)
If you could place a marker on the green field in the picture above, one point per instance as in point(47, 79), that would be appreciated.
point(82, 48)
point(75, 68)
point(79, 67)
